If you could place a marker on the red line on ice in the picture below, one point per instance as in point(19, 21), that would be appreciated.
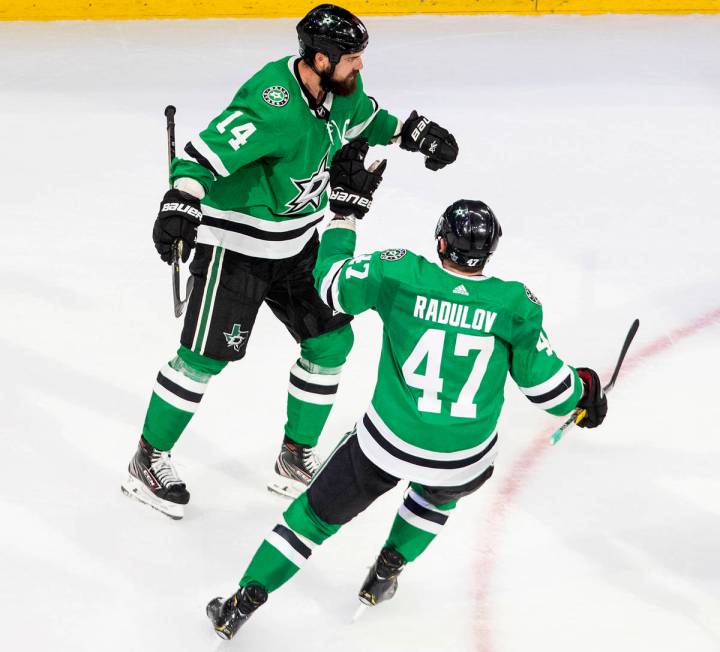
point(526, 463)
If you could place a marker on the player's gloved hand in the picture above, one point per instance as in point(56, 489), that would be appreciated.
point(421, 135)
point(177, 219)
point(593, 400)
point(353, 185)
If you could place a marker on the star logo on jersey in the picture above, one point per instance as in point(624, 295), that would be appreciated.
point(276, 95)
point(461, 289)
point(236, 337)
point(310, 191)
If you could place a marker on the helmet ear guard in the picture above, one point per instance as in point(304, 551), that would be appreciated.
point(471, 233)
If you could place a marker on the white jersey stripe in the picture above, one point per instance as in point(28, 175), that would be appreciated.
point(325, 284)
point(355, 131)
point(214, 160)
point(415, 450)
point(249, 246)
point(289, 224)
point(432, 477)
point(551, 383)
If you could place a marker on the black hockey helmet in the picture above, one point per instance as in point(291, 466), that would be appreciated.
point(471, 232)
point(332, 30)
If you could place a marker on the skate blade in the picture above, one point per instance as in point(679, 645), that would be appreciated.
point(362, 608)
point(133, 488)
point(286, 486)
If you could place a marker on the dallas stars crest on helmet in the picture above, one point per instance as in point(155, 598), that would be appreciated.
point(332, 30)
point(471, 232)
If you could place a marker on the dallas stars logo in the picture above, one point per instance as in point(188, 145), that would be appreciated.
point(235, 337)
point(310, 191)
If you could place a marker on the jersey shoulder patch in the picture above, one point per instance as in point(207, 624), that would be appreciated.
point(530, 295)
point(276, 95)
point(393, 254)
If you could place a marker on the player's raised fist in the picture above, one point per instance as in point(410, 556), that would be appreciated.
point(422, 135)
point(177, 219)
point(352, 184)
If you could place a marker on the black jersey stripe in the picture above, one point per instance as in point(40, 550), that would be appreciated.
point(312, 387)
point(421, 461)
point(191, 151)
point(556, 391)
point(293, 539)
point(259, 234)
point(424, 512)
point(174, 388)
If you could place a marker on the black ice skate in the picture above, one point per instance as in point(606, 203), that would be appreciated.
point(381, 582)
point(294, 468)
point(227, 616)
point(153, 480)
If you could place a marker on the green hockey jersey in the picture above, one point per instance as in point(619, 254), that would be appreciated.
point(264, 161)
point(449, 341)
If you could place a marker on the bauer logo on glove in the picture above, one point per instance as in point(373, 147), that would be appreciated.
point(352, 184)
point(422, 135)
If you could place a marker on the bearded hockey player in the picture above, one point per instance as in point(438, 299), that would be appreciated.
point(451, 335)
point(250, 190)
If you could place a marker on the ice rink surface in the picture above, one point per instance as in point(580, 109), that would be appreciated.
point(596, 140)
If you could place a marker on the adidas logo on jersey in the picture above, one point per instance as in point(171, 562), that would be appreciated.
point(461, 289)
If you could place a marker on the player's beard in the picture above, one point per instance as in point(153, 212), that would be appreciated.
point(342, 87)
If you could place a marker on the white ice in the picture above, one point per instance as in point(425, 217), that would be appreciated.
point(597, 142)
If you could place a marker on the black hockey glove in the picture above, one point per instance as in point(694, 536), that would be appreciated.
point(177, 219)
point(421, 135)
point(352, 185)
point(593, 400)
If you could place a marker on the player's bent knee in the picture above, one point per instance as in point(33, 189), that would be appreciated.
point(192, 363)
point(446, 497)
point(329, 349)
point(301, 518)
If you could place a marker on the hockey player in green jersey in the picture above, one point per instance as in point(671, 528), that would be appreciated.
point(450, 337)
point(250, 190)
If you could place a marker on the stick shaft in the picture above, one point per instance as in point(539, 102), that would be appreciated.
point(578, 415)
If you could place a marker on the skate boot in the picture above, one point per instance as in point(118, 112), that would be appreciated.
point(227, 616)
point(153, 480)
point(294, 468)
point(381, 582)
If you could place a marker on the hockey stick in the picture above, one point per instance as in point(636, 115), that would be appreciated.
point(578, 415)
point(178, 244)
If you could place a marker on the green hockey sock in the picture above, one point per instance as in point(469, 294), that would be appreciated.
point(287, 546)
point(178, 390)
point(417, 523)
point(311, 394)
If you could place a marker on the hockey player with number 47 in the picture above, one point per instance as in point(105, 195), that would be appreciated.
point(451, 335)
point(250, 191)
